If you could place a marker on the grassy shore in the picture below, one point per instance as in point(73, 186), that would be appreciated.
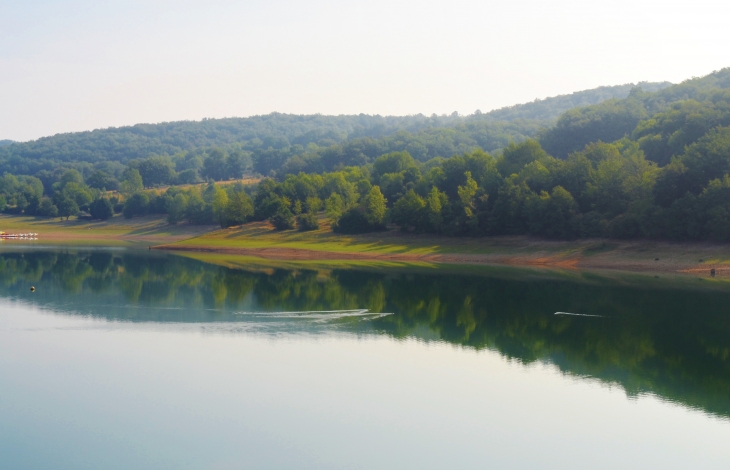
point(321, 247)
point(117, 231)
point(260, 240)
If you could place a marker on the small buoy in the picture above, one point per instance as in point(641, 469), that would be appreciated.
point(32, 288)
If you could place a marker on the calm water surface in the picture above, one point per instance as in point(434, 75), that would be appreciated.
point(128, 359)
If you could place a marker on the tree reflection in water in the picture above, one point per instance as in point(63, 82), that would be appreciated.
point(655, 338)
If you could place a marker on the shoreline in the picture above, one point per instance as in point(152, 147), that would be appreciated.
point(575, 261)
point(260, 240)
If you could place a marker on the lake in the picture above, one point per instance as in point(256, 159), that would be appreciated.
point(132, 359)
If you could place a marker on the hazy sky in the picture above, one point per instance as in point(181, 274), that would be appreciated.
point(79, 64)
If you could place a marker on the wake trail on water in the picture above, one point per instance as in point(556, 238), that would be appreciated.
point(318, 314)
point(578, 314)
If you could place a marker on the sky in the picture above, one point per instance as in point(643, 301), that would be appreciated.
point(78, 65)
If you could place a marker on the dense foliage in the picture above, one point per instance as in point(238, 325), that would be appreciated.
point(275, 138)
point(617, 118)
point(649, 165)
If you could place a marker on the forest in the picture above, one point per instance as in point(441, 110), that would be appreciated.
point(653, 162)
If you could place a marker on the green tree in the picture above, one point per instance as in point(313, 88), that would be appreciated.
point(131, 181)
point(408, 212)
point(467, 194)
point(215, 166)
point(560, 215)
point(67, 207)
point(283, 219)
point(177, 208)
point(137, 204)
point(313, 205)
point(101, 209)
point(307, 222)
point(46, 209)
point(189, 176)
point(236, 163)
point(394, 162)
point(435, 202)
point(78, 192)
point(198, 211)
point(374, 207)
point(220, 203)
point(71, 176)
point(155, 170)
point(239, 208)
point(102, 180)
point(516, 156)
point(334, 208)
point(297, 207)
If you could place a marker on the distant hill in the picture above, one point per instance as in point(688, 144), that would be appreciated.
point(614, 119)
point(6, 142)
point(551, 108)
point(424, 136)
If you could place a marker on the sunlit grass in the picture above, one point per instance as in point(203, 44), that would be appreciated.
point(113, 232)
point(263, 235)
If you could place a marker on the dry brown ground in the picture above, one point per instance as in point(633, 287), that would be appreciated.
point(646, 257)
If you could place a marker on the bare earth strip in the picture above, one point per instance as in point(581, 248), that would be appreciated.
point(572, 262)
point(259, 240)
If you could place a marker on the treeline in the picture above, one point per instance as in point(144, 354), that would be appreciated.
point(111, 149)
point(66, 197)
point(691, 105)
point(651, 165)
point(605, 190)
point(202, 205)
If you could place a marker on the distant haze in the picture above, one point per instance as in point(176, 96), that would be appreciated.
point(78, 65)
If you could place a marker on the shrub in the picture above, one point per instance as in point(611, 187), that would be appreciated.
point(138, 204)
point(101, 209)
point(307, 222)
point(283, 219)
point(353, 221)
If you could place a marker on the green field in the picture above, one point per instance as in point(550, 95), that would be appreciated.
point(116, 231)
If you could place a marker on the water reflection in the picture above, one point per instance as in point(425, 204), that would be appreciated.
point(662, 339)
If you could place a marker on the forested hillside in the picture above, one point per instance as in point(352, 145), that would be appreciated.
point(650, 165)
point(277, 137)
point(616, 118)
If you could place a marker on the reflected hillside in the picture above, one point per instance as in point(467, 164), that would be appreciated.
point(658, 339)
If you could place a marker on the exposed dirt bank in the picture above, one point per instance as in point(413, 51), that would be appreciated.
point(646, 257)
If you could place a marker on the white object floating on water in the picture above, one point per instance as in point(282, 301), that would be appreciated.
point(578, 314)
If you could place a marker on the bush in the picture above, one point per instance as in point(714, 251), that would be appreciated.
point(283, 219)
point(189, 176)
point(101, 209)
point(307, 222)
point(354, 221)
point(47, 208)
point(138, 204)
